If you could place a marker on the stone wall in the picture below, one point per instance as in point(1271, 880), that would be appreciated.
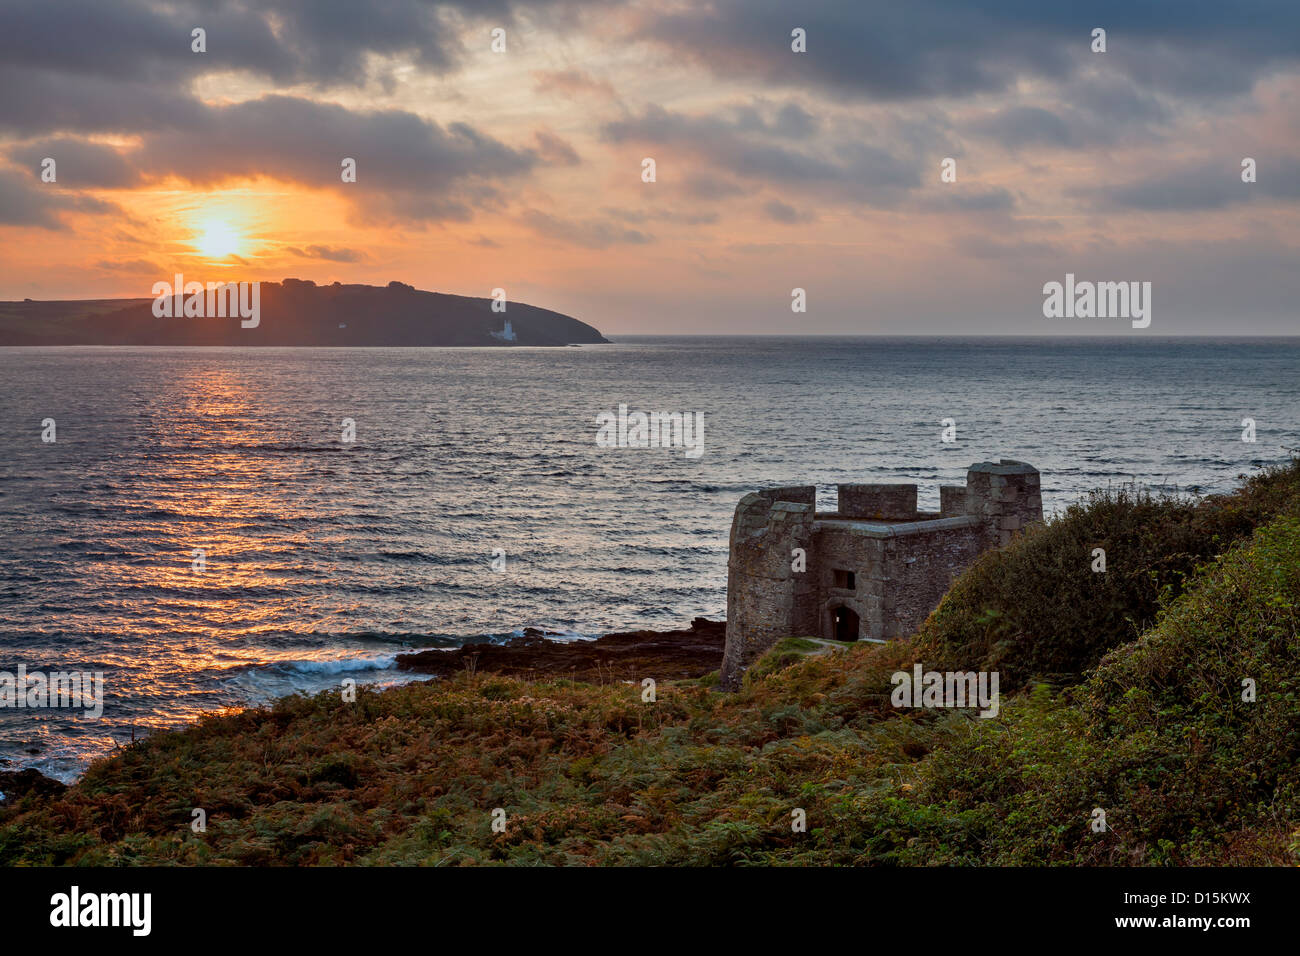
point(1006, 496)
point(840, 547)
point(952, 500)
point(902, 561)
point(766, 599)
point(878, 502)
point(920, 569)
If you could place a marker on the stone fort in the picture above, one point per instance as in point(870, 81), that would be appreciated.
point(871, 570)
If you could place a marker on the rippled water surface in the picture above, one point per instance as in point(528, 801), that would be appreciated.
point(324, 559)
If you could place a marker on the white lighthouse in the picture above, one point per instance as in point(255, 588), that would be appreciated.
point(507, 334)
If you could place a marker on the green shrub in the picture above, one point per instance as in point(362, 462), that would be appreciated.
point(1159, 737)
point(1036, 609)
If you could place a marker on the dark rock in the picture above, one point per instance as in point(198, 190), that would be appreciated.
point(15, 784)
point(626, 656)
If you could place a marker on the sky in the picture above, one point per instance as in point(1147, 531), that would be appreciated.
point(516, 160)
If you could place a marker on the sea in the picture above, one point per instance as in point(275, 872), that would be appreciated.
point(212, 528)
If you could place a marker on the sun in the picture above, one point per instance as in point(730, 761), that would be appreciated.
point(218, 238)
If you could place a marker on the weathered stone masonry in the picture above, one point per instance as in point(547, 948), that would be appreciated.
point(873, 569)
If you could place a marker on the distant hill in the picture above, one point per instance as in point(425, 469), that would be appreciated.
point(297, 312)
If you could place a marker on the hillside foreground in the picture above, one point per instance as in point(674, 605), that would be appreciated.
point(1122, 691)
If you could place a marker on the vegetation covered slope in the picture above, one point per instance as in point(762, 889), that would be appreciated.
point(1039, 610)
point(1157, 735)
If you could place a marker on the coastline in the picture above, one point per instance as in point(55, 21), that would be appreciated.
point(619, 656)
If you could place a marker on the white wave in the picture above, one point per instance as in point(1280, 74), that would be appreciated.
point(381, 663)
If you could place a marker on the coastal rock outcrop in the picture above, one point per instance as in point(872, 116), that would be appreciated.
point(625, 656)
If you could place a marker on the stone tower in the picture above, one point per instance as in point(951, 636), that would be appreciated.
point(873, 569)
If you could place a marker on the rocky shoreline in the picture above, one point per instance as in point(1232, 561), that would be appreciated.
point(15, 784)
point(621, 656)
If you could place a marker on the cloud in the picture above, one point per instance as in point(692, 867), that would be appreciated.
point(690, 217)
point(736, 144)
point(778, 211)
point(885, 50)
point(889, 51)
point(286, 41)
point(407, 167)
point(553, 150)
point(130, 267)
point(329, 253)
point(1204, 185)
point(1018, 126)
point(79, 163)
point(301, 140)
point(589, 234)
point(27, 201)
point(984, 246)
point(571, 84)
point(22, 203)
point(705, 184)
point(1101, 111)
point(962, 197)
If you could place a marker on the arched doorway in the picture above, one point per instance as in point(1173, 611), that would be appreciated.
point(844, 624)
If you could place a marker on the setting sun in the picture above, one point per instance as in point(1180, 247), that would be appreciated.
point(217, 239)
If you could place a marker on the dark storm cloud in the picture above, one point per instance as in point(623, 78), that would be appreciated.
point(79, 163)
point(34, 102)
point(289, 40)
point(790, 120)
point(958, 48)
point(304, 141)
point(25, 204)
point(408, 168)
point(1097, 111)
point(1207, 185)
point(739, 142)
point(70, 67)
point(26, 201)
point(1027, 126)
point(91, 65)
point(133, 40)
